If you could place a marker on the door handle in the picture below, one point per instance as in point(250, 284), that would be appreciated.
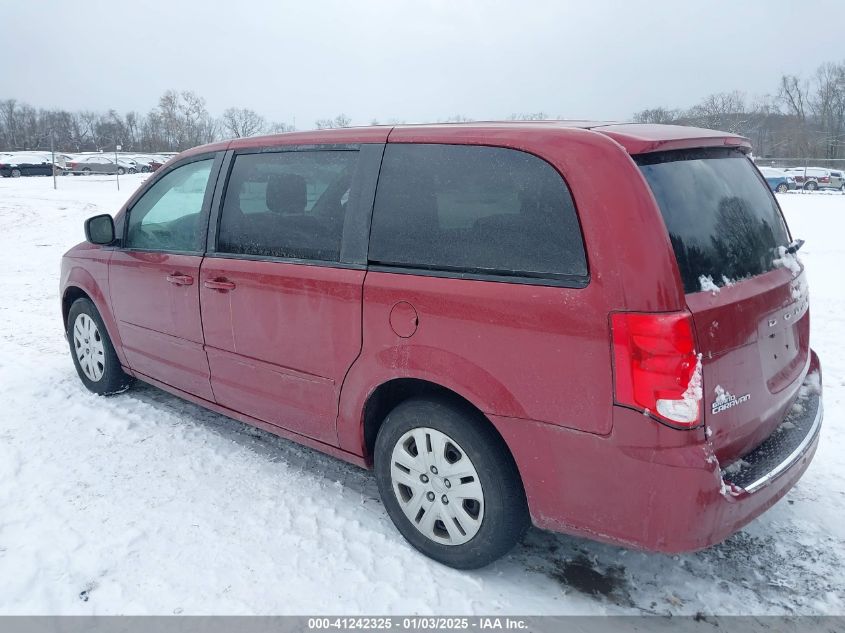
point(219, 284)
point(180, 280)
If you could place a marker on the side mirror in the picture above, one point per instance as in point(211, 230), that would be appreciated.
point(100, 229)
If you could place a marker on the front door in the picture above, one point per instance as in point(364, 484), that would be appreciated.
point(154, 279)
point(281, 310)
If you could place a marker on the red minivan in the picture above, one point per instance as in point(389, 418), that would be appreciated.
point(602, 329)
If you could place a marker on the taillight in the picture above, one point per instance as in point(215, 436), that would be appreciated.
point(72, 165)
point(824, 179)
point(656, 368)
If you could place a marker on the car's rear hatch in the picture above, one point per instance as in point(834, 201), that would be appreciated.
point(747, 294)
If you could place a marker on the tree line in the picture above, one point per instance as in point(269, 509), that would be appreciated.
point(179, 121)
point(803, 118)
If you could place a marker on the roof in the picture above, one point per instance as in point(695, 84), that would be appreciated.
point(635, 138)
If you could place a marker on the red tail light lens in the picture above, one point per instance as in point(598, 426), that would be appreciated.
point(824, 179)
point(656, 369)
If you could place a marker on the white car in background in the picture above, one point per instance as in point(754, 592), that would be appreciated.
point(812, 178)
point(128, 164)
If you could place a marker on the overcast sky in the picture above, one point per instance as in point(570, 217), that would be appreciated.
point(411, 61)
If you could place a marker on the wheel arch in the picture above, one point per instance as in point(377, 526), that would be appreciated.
point(71, 294)
point(79, 283)
point(389, 394)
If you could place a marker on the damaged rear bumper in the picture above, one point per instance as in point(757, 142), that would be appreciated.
point(783, 448)
point(650, 487)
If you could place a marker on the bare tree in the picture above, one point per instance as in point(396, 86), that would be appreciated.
point(279, 127)
point(827, 104)
point(341, 120)
point(8, 118)
point(793, 94)
point(657, 115)
point(721, 111)
point(529, 116)
point(243, 122)
point(457, 118)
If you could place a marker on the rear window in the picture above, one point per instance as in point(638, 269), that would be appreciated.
point(475, 210)
point(723, 221)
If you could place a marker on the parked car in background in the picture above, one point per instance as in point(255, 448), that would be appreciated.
point(156, 162)
point(128, 164)
point(778, 180)
point(62, 161)
point(143, 163)
point(429, 301)
point(812, 178)
point(95, 164)
point(838, 177)
point(23, 164)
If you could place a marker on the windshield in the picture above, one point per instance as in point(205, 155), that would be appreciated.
point(723, 221)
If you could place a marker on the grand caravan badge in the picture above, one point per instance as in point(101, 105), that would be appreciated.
point(726, 400)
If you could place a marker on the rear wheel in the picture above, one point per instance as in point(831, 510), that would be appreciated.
point(449, 483)
point(782, 188)
point(86, 171)
point(92, 350)
point(811, 185)
point(16, 173)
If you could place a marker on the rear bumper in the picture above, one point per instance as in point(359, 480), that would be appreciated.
point(621, 489)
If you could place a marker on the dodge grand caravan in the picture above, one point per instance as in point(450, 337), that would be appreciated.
point(477, 312)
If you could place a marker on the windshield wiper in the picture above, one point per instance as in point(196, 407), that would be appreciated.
point(794, 246)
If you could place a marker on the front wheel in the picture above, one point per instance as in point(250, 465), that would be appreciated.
point(449, 483)
point(782, 188)
point(120, 171)
point(92, 350)
point(16, 173)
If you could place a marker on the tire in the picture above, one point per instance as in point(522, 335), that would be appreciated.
point(120, 171)
point(92, 351)
point(811, 185)
point(16, 173)
point(782, 188)
point(86, 172)
point(132, 170)
point(490, 520)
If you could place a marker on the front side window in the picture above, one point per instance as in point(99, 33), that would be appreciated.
point(475, 209)
point(287, 204)
point(167, 217)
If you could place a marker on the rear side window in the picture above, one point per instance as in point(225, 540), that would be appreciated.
point(287, 204)
point(723, 221)
point(475, 209)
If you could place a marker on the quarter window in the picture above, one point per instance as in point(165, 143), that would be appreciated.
point(287, 204)
point(167, 217)
point(483, 210)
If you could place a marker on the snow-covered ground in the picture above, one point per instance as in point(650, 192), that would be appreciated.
point(143, 503)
